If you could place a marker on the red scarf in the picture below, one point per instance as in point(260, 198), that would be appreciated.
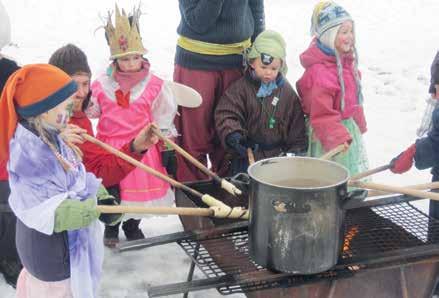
point(126, 81)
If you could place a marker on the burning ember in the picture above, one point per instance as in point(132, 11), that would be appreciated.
point(348, 239)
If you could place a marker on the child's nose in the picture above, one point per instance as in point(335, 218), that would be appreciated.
point(81, 92)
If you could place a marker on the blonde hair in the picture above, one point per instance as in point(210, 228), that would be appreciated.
point(42, 130)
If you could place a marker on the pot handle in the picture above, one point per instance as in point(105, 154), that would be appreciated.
point(354, 195)
point(242, 180)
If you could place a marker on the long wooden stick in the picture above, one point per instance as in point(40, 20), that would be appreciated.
point(250, 156)
point(215, 211)
point(424, 186)
point(395, 189)
point(369, 172)
point(141, 165)
point(156, 210)
point(232, 189)
point(330, 154)
point(220, 209)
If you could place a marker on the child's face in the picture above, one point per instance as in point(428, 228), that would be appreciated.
point(345, 39)
point(130, 63)
point(83, 82)
point(266, 72)
point(59, 116)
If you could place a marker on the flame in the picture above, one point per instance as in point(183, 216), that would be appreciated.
point(348, 239)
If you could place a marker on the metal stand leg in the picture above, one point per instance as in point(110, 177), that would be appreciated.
point(192, 268)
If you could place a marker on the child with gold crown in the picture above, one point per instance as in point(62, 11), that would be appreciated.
point(125, 99)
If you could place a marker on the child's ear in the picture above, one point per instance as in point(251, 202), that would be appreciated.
point(251, 63)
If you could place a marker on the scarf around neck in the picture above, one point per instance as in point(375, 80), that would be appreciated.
point(127, 81)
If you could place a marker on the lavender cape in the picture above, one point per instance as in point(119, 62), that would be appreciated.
point(38, 186)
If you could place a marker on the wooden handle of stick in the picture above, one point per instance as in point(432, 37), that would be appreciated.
point(369, 172)
point(156, 210)
point(328, 155)
point(432, 185)
point(229, 187)
point(140, 165)
point(395, 189)
point(251, 156)
point(214, 211)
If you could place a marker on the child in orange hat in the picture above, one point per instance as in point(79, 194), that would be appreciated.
point(58, 237)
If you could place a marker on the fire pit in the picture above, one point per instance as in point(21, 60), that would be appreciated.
point(388, 251)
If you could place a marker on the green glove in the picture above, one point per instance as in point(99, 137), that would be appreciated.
point(75, 214)
point(104, 198)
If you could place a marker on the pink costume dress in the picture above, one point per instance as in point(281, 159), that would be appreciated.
point(118, 125)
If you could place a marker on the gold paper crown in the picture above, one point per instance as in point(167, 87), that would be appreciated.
point(124, 38)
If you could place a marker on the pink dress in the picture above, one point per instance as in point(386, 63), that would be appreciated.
point(118, 125)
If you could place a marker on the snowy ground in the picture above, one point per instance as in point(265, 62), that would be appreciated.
point(396, 42)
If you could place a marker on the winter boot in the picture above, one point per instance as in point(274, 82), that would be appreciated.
point(131, 229)
point(111, 236)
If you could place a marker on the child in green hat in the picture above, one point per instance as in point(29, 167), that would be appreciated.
point(261, 111)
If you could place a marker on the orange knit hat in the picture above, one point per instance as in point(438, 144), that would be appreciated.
point(31, 91)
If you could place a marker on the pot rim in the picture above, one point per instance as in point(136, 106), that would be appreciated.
point(299, 188)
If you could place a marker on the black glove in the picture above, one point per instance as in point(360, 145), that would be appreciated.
point(169, 161)
point(236, 141)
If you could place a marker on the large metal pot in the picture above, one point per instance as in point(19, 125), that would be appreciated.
point(296, 213)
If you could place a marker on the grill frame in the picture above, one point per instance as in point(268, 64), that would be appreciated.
point(409, 271)
point(379, 251)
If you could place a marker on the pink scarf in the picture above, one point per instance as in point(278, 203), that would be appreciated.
point(127, 80)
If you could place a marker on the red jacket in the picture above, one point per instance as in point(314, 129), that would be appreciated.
point(100, 162)
point(3, 171)
point(320, 93)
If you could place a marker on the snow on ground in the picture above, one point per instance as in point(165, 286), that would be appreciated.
point(396, 41)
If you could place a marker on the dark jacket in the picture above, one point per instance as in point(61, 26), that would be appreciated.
point(220, 22)
point(8, 249)
point(427, 156)
point(7, 67)
point(427, 149)
point(434, 74)
point(240, 110)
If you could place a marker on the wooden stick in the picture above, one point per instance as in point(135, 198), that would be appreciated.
point(369, 172)
point(432, 185)
point(251, 156)
point(156, 210)
point(328, 155)
point(207, 199)
point(395, 189)
point(232, 189)
point(141, 165)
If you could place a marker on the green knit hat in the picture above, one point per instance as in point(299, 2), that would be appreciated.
point(272, 43)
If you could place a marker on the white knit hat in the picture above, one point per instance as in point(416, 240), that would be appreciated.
point(326, 15)
point(328, 37)
point(5, 27)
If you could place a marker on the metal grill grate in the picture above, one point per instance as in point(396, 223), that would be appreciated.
point(372, 235)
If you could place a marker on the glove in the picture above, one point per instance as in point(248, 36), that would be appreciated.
point(169, 161)
point(74, 214)
point(235, 141)
point(404, 161)
point(104, 198)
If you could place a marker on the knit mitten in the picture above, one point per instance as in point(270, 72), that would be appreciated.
point(74, 214)
point(404, 161)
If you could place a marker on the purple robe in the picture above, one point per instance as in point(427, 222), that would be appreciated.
point(39, 185)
